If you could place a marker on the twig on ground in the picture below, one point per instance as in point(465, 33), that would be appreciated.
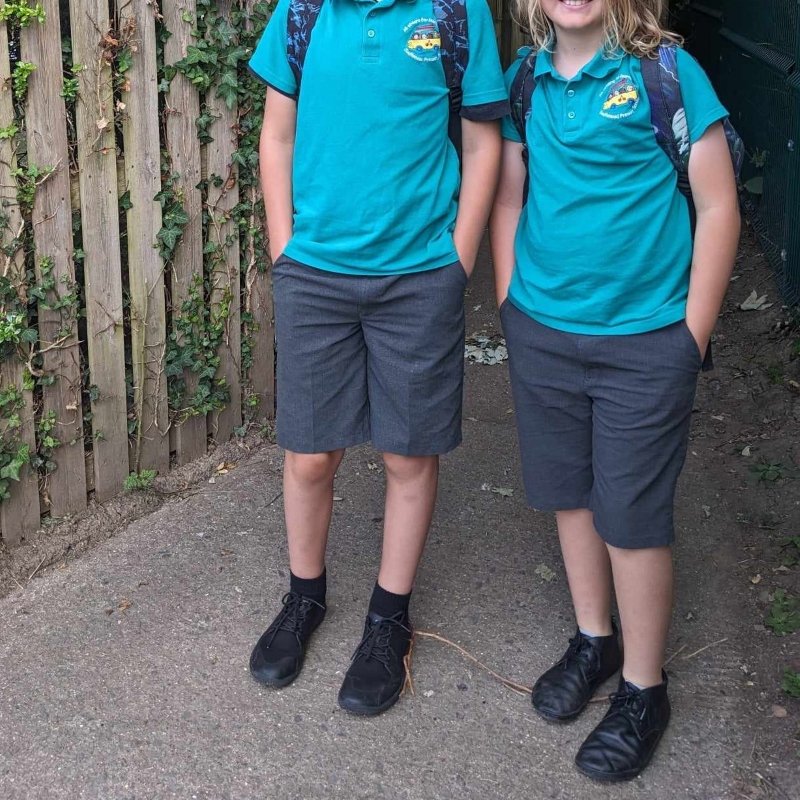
point(675, 655)
point(37, 568)
point(771, 783)
point(409, 682)
point(600, 698)
point(697, 652)
point(509, 684)
point(277, 497)
point(14, 578)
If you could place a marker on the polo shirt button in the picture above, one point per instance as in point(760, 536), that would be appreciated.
point(571, 93)
point(571, 115)
point(370, 33)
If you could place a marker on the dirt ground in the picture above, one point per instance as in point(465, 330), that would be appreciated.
point(741, 487)
point(64, 539)
point(745, 454)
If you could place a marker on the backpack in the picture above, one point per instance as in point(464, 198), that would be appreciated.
point(667, 114)
point(451, 18)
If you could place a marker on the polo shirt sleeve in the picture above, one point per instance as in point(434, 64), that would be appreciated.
point(508, 128)
point(702, 105)
point(484, 97)
point(269, 61)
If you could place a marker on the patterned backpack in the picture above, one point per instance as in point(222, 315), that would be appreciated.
point(451, 18)
point(667, 114)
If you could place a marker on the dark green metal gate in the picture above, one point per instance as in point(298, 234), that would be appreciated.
point(751, 51)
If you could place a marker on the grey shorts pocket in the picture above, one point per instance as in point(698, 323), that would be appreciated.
point(692, 342)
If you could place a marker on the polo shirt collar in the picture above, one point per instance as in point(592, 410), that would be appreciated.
point(600, 66)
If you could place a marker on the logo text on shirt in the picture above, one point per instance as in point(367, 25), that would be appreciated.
point(424, 41)
point(620, 98)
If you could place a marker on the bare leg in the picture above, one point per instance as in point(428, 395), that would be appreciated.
point(643, 585)
point(308, 504)
point(411, 484)
point(588, 570)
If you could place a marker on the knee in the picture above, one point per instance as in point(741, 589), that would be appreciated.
point(409, 468)
point(311, 468)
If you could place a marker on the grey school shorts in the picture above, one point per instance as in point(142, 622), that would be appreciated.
point(603, 423)
point(362, 359)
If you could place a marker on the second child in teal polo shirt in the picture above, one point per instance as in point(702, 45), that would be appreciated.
point(608, 303)
point(374, 227)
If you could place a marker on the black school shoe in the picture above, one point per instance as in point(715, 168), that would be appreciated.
point(567, 687)
point(278, 656)
point(621, 746)
point(377, 673)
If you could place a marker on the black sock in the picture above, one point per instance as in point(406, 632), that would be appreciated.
point(387, 604)
point(314, 588)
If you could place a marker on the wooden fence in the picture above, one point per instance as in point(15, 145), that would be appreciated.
point(135, 303)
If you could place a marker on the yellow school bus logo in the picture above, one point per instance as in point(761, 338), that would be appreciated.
point(621, 98)
point(423, 42)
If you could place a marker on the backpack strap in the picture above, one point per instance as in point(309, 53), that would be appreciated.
point(521, 96)
point(300, 22)
point(671, 129)
point(451, 19)
point(667, 112)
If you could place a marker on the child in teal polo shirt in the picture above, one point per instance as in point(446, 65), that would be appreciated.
point(374, 224)
point(608, 304)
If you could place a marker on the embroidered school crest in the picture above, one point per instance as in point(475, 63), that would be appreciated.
point(424, 42)
point(620, 98)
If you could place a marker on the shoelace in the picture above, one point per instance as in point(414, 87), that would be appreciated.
point(629, 704)
point(375, 644)
point(293, 615)
point(579, 650)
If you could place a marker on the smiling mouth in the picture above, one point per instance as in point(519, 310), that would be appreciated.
point(575, 3)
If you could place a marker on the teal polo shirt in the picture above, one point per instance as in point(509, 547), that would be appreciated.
point(604, 243)
point(375, 177)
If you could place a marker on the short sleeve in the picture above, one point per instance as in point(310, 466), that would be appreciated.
point(269, 60)
point(508, 128)
point(484, 96)
point(702, 105)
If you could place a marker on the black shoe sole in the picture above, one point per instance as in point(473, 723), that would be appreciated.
point(366, 711)
point(277, 684)
point(560, 720)
point(616, 777)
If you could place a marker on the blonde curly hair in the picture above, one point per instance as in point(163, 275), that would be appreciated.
point(633, 26)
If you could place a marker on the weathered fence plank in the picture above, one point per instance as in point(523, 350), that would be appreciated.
point(145, 265)
point(99, 203)
point(259, 304)
point(84, 174)
point(182, 110)
point(45, 122)
point(223, 196)
point(19, 515)
point(258, 296)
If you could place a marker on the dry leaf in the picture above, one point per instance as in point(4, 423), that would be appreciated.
point(755, 303)
point(779, 711)
point(501, 490)
point(746, 452)
point(124, 604)
point(756, 579)
point(545, 573)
